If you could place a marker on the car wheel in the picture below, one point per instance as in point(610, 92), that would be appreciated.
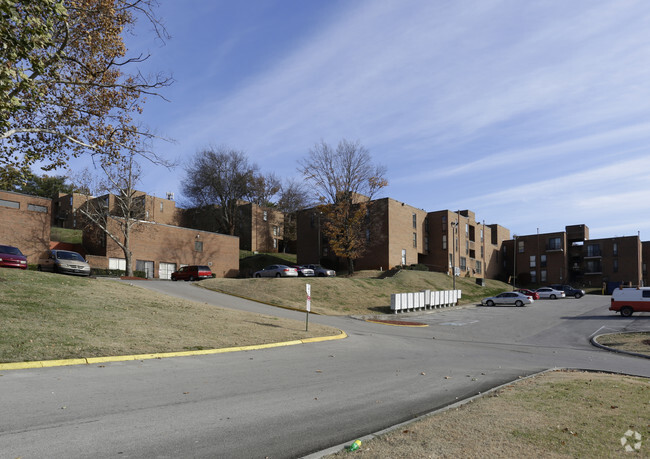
point(578, 295)
point(174, 279)
point(258, 275)
point(278, 275)
point(191, 278)
point(553, 297)
point(626, 311)
point(519, 303)
point(490, 303)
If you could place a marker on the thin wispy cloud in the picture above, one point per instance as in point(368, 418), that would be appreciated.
point(504, 106)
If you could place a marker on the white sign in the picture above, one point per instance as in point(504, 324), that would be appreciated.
point(308, 288)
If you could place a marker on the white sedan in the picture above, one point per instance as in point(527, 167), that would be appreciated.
point(548, 292)
point(516, 298)
point(277, 271)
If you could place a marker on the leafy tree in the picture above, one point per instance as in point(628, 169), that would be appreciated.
point(36, 185)
point(119, 217)
point(224, 178)
point(346, 181)
point(63, 81)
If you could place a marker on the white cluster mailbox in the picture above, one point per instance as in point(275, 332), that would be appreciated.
point(426, 299)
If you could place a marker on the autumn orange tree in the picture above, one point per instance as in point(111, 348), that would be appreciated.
point(64, 82)
point(346, 181)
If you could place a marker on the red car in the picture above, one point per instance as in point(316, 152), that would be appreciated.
point(12, 257)
point(529, 293)
point(192, 273)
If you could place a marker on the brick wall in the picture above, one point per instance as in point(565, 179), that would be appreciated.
point(25, 223)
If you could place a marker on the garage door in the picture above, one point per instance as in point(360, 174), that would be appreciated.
point(165, 270)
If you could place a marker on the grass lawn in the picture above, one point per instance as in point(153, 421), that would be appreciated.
point(47, 316)
point(362, 294)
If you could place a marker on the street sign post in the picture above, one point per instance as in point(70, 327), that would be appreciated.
point(308, 289)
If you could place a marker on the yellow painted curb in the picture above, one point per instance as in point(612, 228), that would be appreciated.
point(123, 358)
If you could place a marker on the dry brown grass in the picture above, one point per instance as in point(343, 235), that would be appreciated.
point(52, 316)
point(555, 415)
point(362, 294)
point(630, 342)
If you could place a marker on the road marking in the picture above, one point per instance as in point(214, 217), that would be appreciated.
point(459, 324)
point(601, 328)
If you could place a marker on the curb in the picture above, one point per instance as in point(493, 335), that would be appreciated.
point(124, 358)
point(613, 349)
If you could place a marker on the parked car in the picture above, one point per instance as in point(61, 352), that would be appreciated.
point(629, 300)
point(63, 261)
point(514, 298)
point(304, 271)
point(569, 291)
point(321, 272)
point(192, 273)
point(532, 294)
point(277, 271)
point(12, 257)
point(548, 292)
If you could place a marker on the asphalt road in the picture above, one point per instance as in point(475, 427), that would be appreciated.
point(296, 400)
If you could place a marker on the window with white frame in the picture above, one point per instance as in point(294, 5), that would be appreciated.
point(444, 242)
point(532, 261)
point(533, 277)
point(542, 276)
point(463, 264)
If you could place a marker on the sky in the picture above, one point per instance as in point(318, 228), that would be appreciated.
point(533, 115)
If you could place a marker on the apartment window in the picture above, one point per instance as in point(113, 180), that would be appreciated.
point(478, 267)
point(426, 224)
point(275, 243)
point(554, 243)
point(71, 201)
point(542, 276)
point(403, 257)
point(451, 260)
point(12, 204)
point(275, 230)
point(467, 229)
point(482, 252)
point(415, 239)
point(444, 242)
point(533, 277)
point(615, 249)
point(463, 264)
point(615, 266)
point(35, 208)
point(542, 261)
point(444, 223)
point(466, 247)
point(265, 216)
point(520, 246)
point(532, 261)
point(415, 221)
point(481, 234)
point(593, 267)
point(426, 243)
point(198, 246)
point(593, 250)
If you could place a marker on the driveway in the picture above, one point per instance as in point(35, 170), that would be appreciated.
point(292, 401)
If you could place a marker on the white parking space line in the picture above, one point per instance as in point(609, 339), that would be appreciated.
point(459, 324)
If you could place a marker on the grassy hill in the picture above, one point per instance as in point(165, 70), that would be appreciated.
point(364, 293)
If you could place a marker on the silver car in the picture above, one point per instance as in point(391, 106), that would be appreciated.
point(63, 261)
point(320, 271)
point(548, 292)
point(277, 271)
point(514, 298)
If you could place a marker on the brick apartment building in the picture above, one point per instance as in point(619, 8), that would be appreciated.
point(457, 240)
point(160, 249)
point(65, 208)
point(401, 235)
point(571, 257)
point(259, 228)
point(25, 223)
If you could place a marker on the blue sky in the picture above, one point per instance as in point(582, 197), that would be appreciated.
point(534, 115)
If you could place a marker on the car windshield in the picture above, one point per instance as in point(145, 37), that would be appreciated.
point(10, 250)
point(69, 256)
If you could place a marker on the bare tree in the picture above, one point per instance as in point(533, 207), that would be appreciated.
point(64, 86)
point(294, 196)
point(223, 178)
point(119, 209)
point(346, 180)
